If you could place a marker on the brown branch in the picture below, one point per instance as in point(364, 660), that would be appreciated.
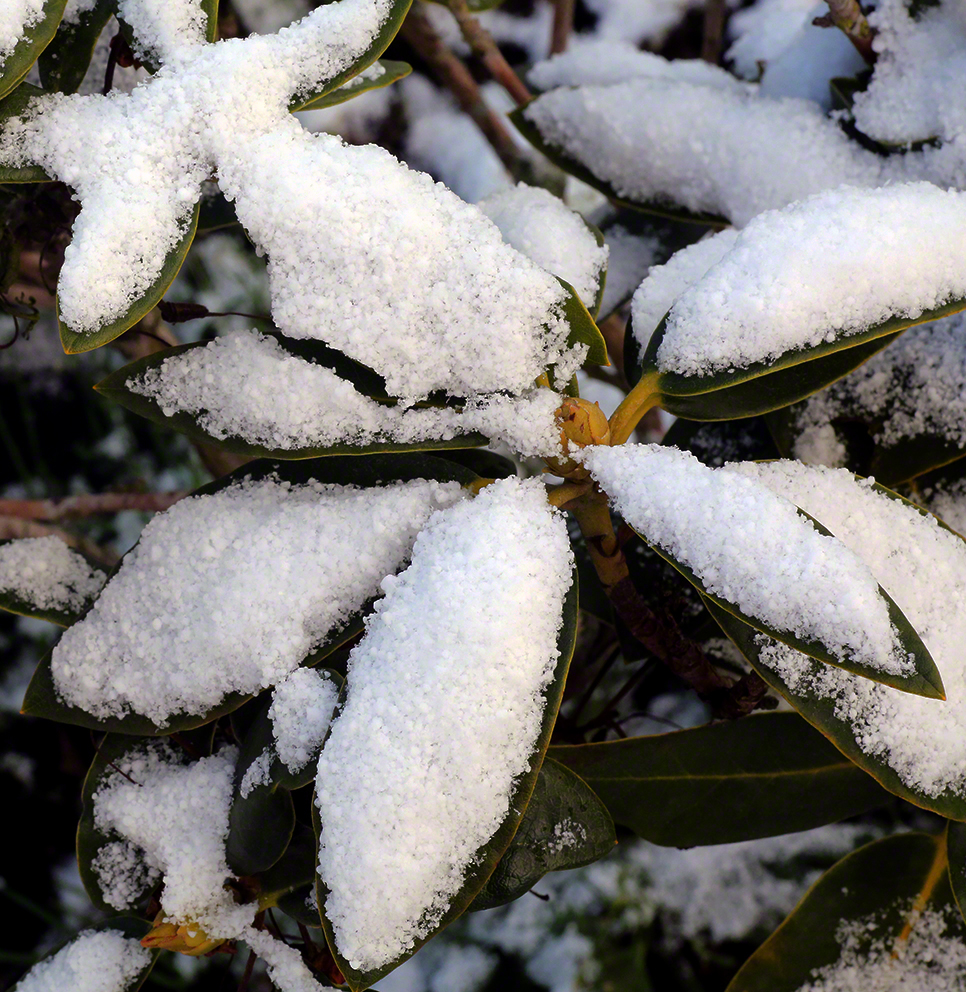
point(714, 23)
point(454, 75)
point(86, 506)
point(847, 16)
point(563, 25)
point(488, 52)
point(17, 527)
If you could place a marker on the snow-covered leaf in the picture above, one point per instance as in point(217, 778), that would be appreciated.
point(27, 26)
point(42, 577)
point(381, 73)
point(214, 596)
point(64, 62)
point(13, 105)
point(912, 745)
point(903, 410)
point(565, 826)
point(754, 554)
point(104, 958)
point(883, 917)
point(724, 783)
point(803, 296)
point(465, 660)
point(146, 299)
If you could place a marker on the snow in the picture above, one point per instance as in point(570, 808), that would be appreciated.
point(948, 502)
point(245, 385)
point(763, 30)
point(258, 773)
point(638, 20)
point(16, 17)
point(445, 701)
point(286, 968)
point(230, 592)
point(301, 711)
point(752, 549)
point(95, 961)
point(664, 284)
point(922, 566)
point(45, 573)
point(914, 388)
point(928, 960)
point(163, 29)
point(628, 262)
point(543, 228)
point(176, 815)
point(75, 8)
point(830, 266)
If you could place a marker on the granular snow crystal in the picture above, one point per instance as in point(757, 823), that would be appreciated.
point(95, 961)
point(45, 573)
point(445, 703)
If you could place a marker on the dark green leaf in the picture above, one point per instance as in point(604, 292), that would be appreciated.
point(292, 878)
point(117, 388)
point(722, 441)
point(216, 212)
point(75, 343)
point(565, 826)
point(925, 680)
point(759, 777)
point(14, 105)
point(376, 47)
point(393, 72)
point(489, 854)
point(889, 879)
point(64, 62)
point(34, 40)
point(564, 161)
point(260, 827)
point(90, 839)
point(12, 603)
point(820, 712)
point(210, 9)
point(765, 386)
point(583, 330)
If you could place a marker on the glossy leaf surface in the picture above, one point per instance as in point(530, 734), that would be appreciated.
point(565, 826)
point(393, 72)
point(583, 330)
point(488, 856)
point(74, 342)
point(757, 777)
point(889, 879)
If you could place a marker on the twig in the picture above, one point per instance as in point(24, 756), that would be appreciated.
point(454, 75)
point(249, 967)
point(563, 24)
point(714, 22)
point(847, 16)
point(87, 505)
point(488, 52)
point(16, 527)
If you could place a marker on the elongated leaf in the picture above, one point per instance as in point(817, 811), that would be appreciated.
point(75, 343)
point(820, 712)
point(210, 8)
point(117, 387)
point(376, 47)
point(35, 39)
point(488, 856)
point(90, 840)
point(583, 330)
point(15, 602)
point(13, 105)
point(292, 878)
point(722, 441)
point(128, 926)
point(565, 826)
point(64, 62)
point(764, 386)
point(563, 161)
point(892, 879)
point(392, 72)
point(759, 777)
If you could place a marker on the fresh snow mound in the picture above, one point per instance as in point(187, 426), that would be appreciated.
point(753, 549)
point(923, 567)
point(245, 385)
point(45, 573)
point(543, 228)
point(162, 28)
point(665, 283)
point(828, 267)
point(445, 703)
point(16, 16)
point(94, 961)
point(230, 592)
point(175, 816)
point(301, 711)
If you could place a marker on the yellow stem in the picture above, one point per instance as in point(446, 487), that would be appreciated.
point(567, 491)
point(643, 397)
